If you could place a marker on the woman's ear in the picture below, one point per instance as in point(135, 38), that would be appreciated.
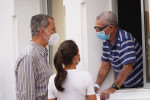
point(74, 59)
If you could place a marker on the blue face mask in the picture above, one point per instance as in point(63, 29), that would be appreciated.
point(101, 35)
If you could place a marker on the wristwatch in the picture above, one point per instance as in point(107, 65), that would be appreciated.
point(114, 86)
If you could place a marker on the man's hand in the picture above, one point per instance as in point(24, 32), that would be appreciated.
point(105, 94)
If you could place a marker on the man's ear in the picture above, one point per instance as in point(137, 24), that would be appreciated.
point(111, 26)
point(42, 31)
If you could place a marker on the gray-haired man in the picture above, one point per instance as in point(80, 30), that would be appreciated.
point(32, 69)
point(120, 51)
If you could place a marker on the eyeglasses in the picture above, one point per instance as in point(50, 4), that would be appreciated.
point(100, 28)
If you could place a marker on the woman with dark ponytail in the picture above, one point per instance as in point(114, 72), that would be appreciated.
point(69, 83)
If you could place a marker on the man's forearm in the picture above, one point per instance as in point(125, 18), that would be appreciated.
point(123, 75)
point(102, 74)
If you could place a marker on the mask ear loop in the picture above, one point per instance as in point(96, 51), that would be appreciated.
point(47, 33)
point(109, 33)
point(77, 60)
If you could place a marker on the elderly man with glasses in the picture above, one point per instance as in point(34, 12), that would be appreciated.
point(120, 51)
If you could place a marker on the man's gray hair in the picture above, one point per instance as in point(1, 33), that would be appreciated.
point(108, 17)
point(39, 21)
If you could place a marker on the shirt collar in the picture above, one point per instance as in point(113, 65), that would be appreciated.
point(39, 48)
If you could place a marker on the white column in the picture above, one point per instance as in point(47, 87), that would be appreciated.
point(73, 10)
point(80, 22)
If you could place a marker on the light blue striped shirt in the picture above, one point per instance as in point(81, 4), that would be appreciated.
point(32, 73)
point(125, 50)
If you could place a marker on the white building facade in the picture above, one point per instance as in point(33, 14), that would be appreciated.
point(75, 20)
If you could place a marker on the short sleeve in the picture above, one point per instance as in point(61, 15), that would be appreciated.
point(51, 85)
point(127, 52)
point(90, 85)
point(105, 55)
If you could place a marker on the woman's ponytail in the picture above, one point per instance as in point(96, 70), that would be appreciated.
point(61, 72)
point(64, 56)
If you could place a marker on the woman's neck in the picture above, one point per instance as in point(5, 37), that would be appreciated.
point(70, 67)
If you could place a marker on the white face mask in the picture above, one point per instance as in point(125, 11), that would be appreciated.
point(53, 40)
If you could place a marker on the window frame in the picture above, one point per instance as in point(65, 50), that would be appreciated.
point(146, 84)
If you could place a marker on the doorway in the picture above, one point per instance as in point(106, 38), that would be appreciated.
point(129, 17)
point(56, 9)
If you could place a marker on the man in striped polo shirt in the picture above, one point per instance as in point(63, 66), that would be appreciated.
point(120, 51)
point(32, 69)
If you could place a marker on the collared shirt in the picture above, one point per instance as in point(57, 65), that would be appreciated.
point(125, 50)
point(32, 73)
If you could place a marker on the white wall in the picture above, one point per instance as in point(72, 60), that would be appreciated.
point(23, 11)
point(80, 22)
point(73, 23)
point(15, 36)
point(7, 80)
point(94, 8)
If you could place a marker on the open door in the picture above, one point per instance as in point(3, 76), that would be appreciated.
point(129, 17)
